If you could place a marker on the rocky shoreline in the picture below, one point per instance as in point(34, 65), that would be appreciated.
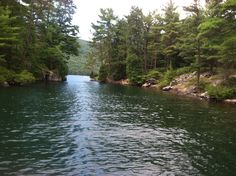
point(181, 86)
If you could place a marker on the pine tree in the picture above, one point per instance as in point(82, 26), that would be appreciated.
point(135, 41)
point(104, 32)
point(9, 37)
point(191, 44)
point(170, 33)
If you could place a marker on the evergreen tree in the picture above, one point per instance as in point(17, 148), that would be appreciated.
point(170, 33)
point(104, 32)
point(191, 43)
point(135, 41)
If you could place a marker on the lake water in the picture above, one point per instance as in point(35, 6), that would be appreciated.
point(85, 128)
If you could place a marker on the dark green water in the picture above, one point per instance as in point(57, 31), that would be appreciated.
point(86, 128)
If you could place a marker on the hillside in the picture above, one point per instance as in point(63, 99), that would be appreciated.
point(77, 64)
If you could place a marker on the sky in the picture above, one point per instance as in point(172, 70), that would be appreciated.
point(87, 10)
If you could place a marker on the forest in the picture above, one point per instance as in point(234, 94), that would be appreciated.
point(37, 38)
point(161, 45)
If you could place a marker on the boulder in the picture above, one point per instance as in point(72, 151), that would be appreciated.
point(174, 82)
point(230, 101)
point(204, 95)
point(167, 88)
point(53, 76)
point(5, 84)
point(206, 75)
point(146, 85)
point(192, 90)
point(151, 81)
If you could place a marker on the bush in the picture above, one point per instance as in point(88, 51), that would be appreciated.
point(134, 69)
point(102, 73)
point(2, 79)
point(183, 70)
point(136, 80)
point(24, 77)
point(6, 75)
point(164, 83)
point(220, 92)
point(117, 71)
point(167, 78)
point(153, 74)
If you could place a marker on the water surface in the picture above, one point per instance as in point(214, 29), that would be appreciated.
point(85, 128)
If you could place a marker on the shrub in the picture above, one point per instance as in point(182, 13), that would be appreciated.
point(6, 75)
point(168, 76)
point(102, 73)
point(183, 70)
point(164, 83)
point(136, 80)
point(24, 77)
point(2, 79)
point(134, 69)
point(153, 74)
point(220, 92)
point(117, 71)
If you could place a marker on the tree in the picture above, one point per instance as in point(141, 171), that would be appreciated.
point(170, 33)
point(135, 43)
point(103, 35)
point(45, 40)
point(191, 42)
point(155, 46)
point(220, 19)
point(9, 37)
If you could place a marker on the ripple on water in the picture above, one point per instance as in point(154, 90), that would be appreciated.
point(86, 128)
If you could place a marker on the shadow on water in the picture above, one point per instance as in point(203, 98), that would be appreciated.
point(85, 128)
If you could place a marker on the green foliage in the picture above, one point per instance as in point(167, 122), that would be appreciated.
point(168, 76)
point(103, 73)
point(24, 77)
point(134, 69)
point(153, 74)
point(139, 43)
point(183, 70)
point(6, 75)
point(171, 33)
point(82, 64)
point(36, 36)
point(117, 71)
point(220, 92)
point(15, 78)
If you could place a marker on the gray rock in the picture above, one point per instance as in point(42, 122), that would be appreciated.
point(53, 76)
point(167, 88)
point(204, 95)
point(192, 90)
point(5, 84)
point(151, 81)
point(230, 101)
point(206, 75)
point(174, 82)
point(146, 85)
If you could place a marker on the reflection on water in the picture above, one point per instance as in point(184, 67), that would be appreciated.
point(86, 128)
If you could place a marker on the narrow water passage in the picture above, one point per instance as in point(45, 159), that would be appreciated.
point(85, 128)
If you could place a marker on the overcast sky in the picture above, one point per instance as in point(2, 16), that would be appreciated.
point(88, 10)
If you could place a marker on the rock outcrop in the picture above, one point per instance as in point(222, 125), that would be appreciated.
point(53, 76)
point(230, 101)
point(167, 88)
point(149, 82)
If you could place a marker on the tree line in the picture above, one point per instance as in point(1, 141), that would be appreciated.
point(138, 44)
point(36, 37)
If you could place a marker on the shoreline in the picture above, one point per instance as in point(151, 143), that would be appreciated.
point(202, 96)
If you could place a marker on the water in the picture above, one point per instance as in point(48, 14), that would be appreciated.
point(86, 128)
